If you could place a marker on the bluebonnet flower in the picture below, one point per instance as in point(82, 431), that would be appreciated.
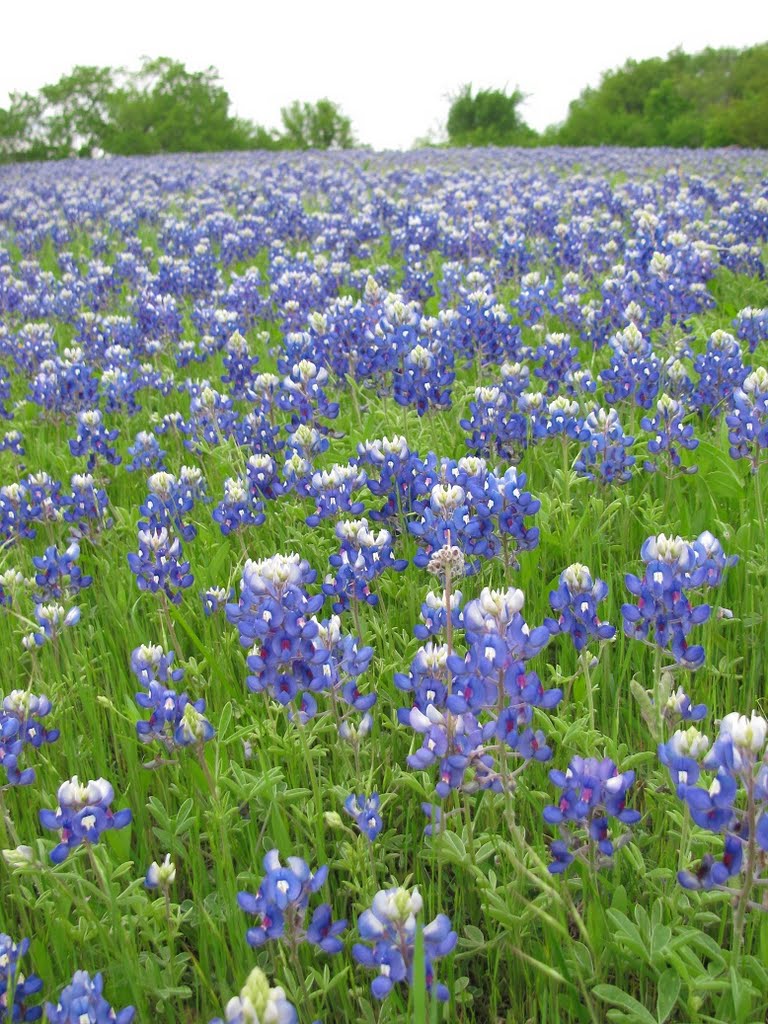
point(535, 297)
point(346, 662)
point(332, 491)
point(737, 761)
point(274, 616)
point(670, 434)
point(434, 614)
point(720, 370)
point(175, 721)
point(145, 453)
point(752, 326)
point(191, 484)
point(83, 1000)
point(281, 904)
point(258, 1003)
point(365, 811)
point(215, 598)
point(86, 508)
point(239, 365)
point(353, 733)
point(494, 622)
point(52, 619)
point(165, 505)
point(94, 440)
point(158, 566)
point(303, 395)
point(511, 505)
point(452, 694)
point(748, 420)
point(398, 468)
point(11, 745)
point(83, 814)
point(576, 600)
point(297, 475)
point(593, 792)
point(711, 560)
point(212, 417)
point(560, 418)
point(487, 422)
point(604, 457)
point(12, 582)
point(151, 663)
point(238, 508)
point(427, 679)
point(45, 494)
point(425, 377)
point(14, 985)
point(160, 876)
point(118, 388)
point(363, 557)
point(390, 928)
point(308, 442)
point(447, 522)
point(634, 371)
point(681, 754)
point(58, 576)
point(675, 380)
point(263, 478)
point(680, 705)
point(173, 423)
point(559, 357)
point(664, 610)
point(21, 725)
point(12, 441)
point(17, 512)
point(515, 380)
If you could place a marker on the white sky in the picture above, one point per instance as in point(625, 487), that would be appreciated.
point(391, 65)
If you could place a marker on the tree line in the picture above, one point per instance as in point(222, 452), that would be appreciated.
point(161, 108)
point(718, 97)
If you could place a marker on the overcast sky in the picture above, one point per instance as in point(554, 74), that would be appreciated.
point(391, 64)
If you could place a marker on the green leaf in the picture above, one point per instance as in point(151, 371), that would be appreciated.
point(660, 937)
point(666, 996)
point(637, 1012)
point(628, 933)
point(419, 987)
point(583, 958)
point(225, 720)
point(474, 934)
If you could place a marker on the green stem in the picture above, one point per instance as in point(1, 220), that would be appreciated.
point(742, 899)
point(588, 683)
point(657, 708)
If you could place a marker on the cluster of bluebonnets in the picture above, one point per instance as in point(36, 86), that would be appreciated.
point(229, 368)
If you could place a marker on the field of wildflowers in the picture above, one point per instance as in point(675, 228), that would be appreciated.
point(384, 588)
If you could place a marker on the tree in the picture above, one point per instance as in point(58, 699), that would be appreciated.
point(164, 108)
point(712, 98)
point(488, 118)
point(20, 134)
point(318, 125)
point(75, 110)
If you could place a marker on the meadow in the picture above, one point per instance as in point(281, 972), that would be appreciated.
point(384, 588)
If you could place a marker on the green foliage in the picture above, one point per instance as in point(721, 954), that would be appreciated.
point(490, 117)
point(712, 98)
point(315, 126)
point(167, 109)
point(75, 110)
point(161, 108)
